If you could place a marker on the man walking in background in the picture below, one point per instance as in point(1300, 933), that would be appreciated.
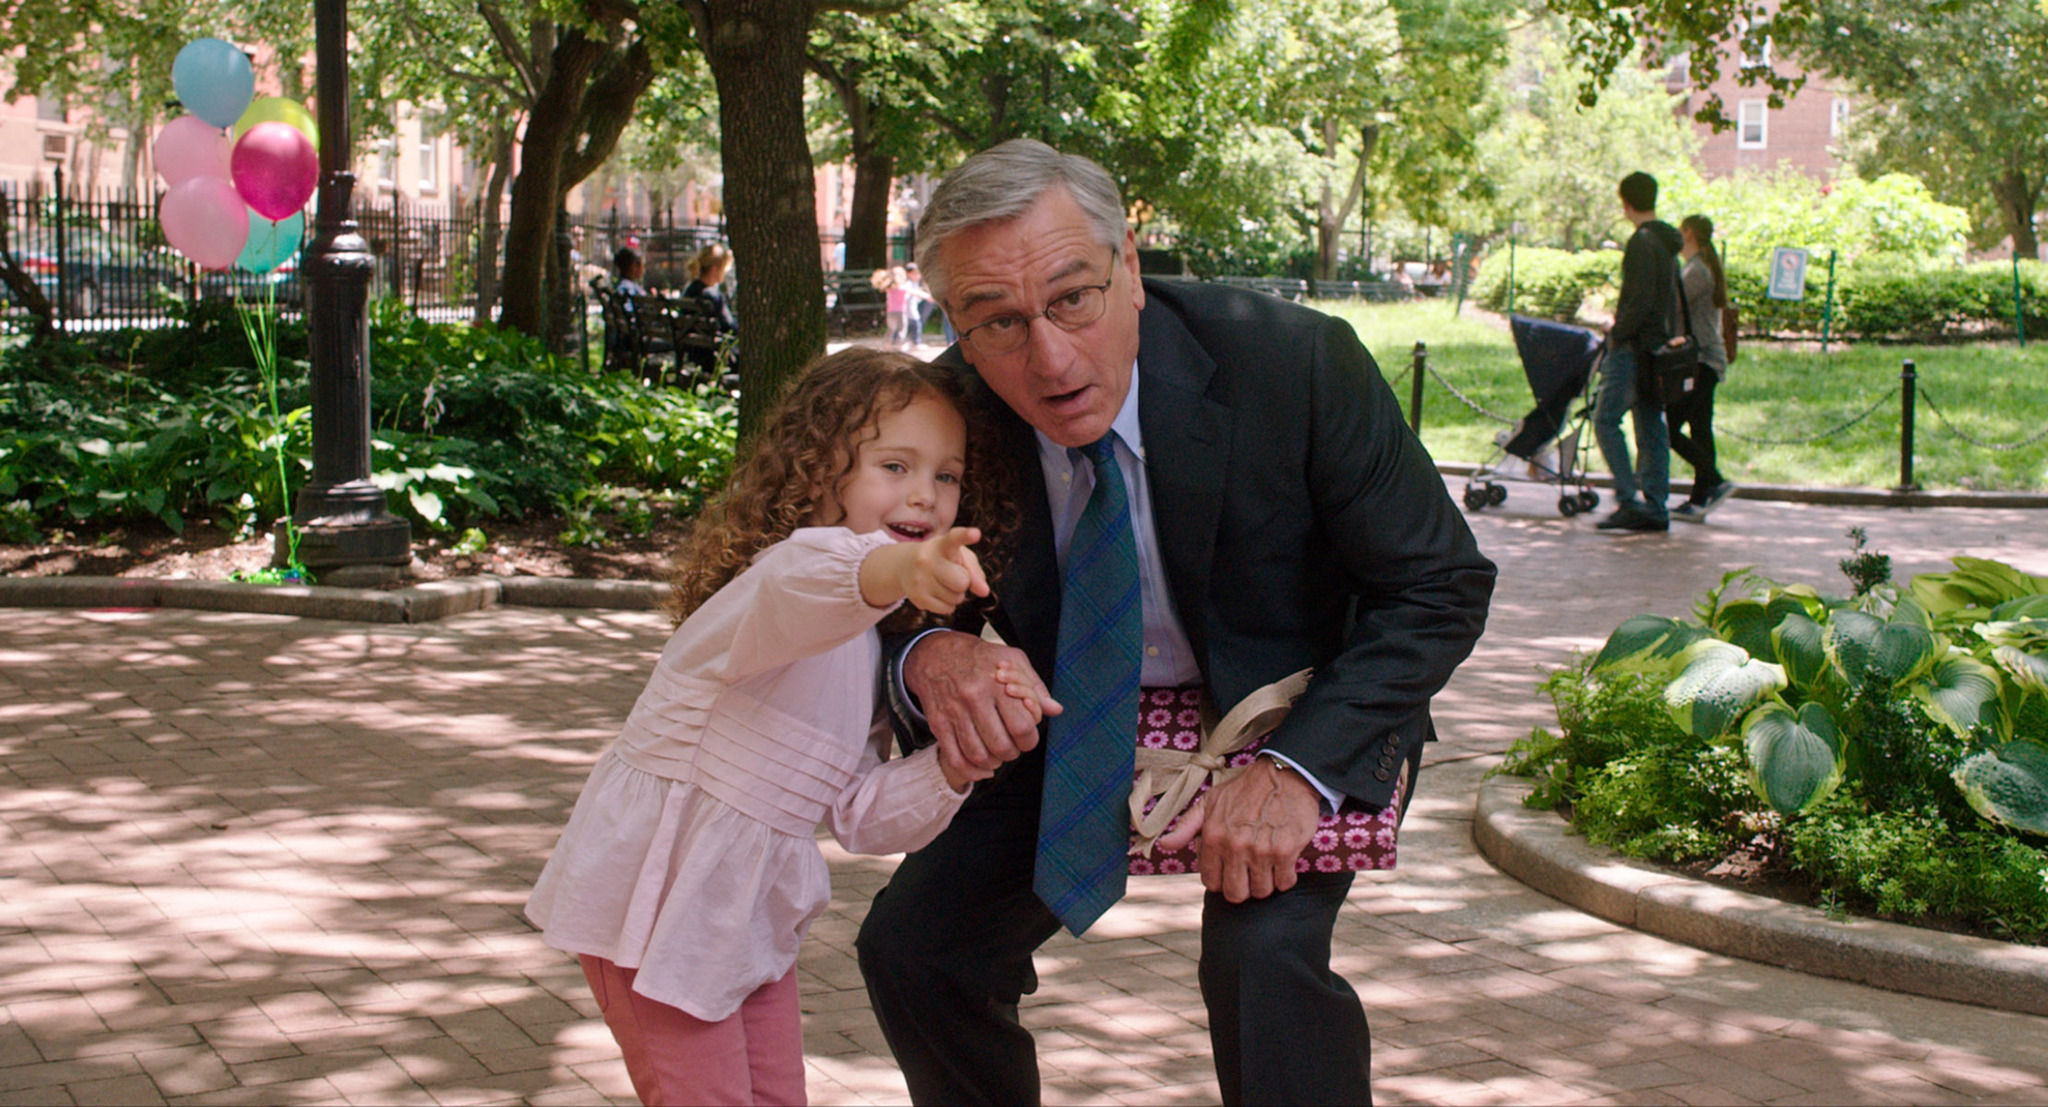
point(1645, 317)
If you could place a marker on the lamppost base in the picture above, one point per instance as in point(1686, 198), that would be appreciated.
point(321, 546)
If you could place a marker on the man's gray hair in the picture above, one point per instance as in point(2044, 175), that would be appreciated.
point(1002, 183)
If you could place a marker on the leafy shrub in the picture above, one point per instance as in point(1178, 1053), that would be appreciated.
point(1753, 212)
point(1890, 745)
point(467, 423)
point(1548, 284)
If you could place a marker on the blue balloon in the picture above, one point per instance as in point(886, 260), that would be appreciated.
point(214, 81)
point(271, 244)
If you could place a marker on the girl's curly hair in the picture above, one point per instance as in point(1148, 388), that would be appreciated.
point(810, 441)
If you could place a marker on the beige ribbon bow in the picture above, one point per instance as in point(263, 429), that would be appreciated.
point(1177, 776)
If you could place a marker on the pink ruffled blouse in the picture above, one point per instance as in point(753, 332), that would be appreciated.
point(692, 854)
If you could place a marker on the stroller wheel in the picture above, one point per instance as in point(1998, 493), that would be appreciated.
point(1496, 494)
point(1588, 500)
point(1475, 497)
point(1568, 506)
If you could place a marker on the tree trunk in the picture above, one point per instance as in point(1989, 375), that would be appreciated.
point(1331, 214)
point(756, 51)
point(26, 291)
point(2017, 198)
point(529, 234)
point(867, 225)
point(491, 227)
point(874, 172)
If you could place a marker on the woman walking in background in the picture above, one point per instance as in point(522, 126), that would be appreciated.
point(1691, 417)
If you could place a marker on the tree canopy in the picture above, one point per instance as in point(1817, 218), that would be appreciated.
point(1958, 95)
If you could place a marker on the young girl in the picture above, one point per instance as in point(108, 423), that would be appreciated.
point(689, 872)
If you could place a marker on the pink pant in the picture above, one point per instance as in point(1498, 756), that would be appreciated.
point(753, 1056)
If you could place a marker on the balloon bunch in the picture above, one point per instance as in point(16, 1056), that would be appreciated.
point(239, 169)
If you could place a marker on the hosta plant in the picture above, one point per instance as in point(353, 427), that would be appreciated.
point(1809, 687)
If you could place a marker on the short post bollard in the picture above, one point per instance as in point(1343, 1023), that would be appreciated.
point(1415, 387)
point(1908, 386)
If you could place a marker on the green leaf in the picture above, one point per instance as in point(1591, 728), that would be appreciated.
point(1796, 642)
point(2025, 607)
point(2029, 670)
point(2008, 785)
point(1864, 647)
point(1961, 693)
point(2020, 634)
point(1646, 644)
point(1720, 681)
point(426, 503)
point(1795, 758)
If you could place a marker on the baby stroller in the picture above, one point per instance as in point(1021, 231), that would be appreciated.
point(1543, 446)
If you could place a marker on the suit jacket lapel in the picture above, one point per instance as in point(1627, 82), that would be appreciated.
point(1187, 446)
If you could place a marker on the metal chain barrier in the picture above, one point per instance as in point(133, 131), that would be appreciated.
point(1467, 400)
point(1973, 440)
point(1829, 433)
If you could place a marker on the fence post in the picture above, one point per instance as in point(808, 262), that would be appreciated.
point(1908, 386)
point(1420, 365)
point(62, 308)
point(1827, 311)
point(2019, 305)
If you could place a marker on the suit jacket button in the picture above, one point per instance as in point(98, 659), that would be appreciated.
point(1384, 775)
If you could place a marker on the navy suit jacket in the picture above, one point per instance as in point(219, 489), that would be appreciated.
point(1301, 523)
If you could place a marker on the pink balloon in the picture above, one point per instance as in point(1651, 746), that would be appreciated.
point(205, 220)
point(275, 169)
point(190, 147)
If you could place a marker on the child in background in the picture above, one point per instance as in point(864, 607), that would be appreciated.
point(689, 872)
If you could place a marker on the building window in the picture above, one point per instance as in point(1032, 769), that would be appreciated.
point(1749, 125)
point(387, 162)
point(430, 162)
point(50, 109)
point(1838, 117)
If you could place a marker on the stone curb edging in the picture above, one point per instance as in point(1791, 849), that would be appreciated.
point(1800, 494)
point(1537, 848)
point(419, 603)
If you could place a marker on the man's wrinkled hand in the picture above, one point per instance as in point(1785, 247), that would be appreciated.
point(1253, 828)
point(965, 686)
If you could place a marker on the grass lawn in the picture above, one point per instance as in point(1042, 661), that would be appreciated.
point(1993, 392)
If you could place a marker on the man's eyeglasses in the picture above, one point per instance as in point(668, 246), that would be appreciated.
point(1074, 309)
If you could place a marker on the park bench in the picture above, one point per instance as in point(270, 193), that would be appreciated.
point(853, 305)
point(1287, 288)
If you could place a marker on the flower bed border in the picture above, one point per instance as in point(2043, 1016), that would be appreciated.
point(1539, 849)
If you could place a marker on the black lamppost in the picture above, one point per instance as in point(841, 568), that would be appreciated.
point(341, 515)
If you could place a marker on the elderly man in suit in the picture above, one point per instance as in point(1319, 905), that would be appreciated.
point(1217, 491)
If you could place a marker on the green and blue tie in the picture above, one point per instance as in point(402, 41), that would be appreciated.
point(1083, 823)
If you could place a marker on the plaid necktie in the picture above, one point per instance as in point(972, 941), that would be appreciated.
point(1083, 829)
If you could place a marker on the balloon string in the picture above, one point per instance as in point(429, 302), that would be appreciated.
point(259, 327)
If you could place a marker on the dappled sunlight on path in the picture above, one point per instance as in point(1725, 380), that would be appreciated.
point(254, 858)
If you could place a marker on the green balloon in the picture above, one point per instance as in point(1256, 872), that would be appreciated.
point(277, 109)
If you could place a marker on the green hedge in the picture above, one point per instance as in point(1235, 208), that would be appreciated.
point(1884, 296)
point(1548, 284)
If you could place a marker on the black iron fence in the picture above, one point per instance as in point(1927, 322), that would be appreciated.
point(100, 259)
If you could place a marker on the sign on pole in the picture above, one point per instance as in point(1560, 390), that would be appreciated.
point(1788, 274)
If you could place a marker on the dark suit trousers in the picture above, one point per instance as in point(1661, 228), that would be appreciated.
point(946, 951)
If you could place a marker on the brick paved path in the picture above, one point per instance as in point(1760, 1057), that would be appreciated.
point(257, 859)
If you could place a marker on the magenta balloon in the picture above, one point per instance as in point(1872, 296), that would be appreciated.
point(275, 168)
point(205, 220)
point(190, 147)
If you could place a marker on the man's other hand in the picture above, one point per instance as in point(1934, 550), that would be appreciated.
point(1253, 828)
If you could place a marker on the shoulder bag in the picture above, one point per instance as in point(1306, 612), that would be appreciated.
point(1675, 367)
